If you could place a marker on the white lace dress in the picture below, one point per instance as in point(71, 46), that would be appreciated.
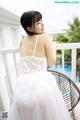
point(37, 96)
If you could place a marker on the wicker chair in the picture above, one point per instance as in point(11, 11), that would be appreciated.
point(70, 92)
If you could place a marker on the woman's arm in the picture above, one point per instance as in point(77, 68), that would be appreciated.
point(50, 48)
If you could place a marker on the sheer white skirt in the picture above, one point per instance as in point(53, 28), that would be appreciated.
point(37, 97)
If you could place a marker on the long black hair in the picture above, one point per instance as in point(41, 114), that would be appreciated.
point(28, 19)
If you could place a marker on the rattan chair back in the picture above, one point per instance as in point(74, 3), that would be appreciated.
point(70, 92)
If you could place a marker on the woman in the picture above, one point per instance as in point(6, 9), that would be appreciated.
point(37, 96)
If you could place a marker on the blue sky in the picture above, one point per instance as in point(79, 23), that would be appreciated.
point(55, 16)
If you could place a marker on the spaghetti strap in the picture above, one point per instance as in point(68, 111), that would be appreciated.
point(35, 45)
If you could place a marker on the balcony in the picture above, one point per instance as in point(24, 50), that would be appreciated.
point(9, 59)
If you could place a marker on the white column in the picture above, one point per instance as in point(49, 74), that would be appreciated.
point(63, 61)
point(73, 64)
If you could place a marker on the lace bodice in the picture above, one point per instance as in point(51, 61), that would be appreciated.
point(32, 64)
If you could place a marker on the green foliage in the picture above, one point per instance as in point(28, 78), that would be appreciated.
point(61, 38)
point(74, 30)
point(78, 67)
point(59, 51)
point(67, 55)
point(78, 53)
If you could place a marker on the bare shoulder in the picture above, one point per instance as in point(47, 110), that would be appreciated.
point(48, 42)
point(45, 38)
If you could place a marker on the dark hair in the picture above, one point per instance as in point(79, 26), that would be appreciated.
point(28, 19)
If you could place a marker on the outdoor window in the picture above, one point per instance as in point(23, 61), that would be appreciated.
point(14, 37)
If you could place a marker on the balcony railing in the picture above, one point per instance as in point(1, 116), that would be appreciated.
point(73, 47)
point(9, 82)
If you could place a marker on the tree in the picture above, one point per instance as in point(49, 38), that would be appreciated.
point(73, 32)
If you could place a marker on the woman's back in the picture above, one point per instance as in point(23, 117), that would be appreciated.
point(39, 46)
point(33, 57)
point(33, 44)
